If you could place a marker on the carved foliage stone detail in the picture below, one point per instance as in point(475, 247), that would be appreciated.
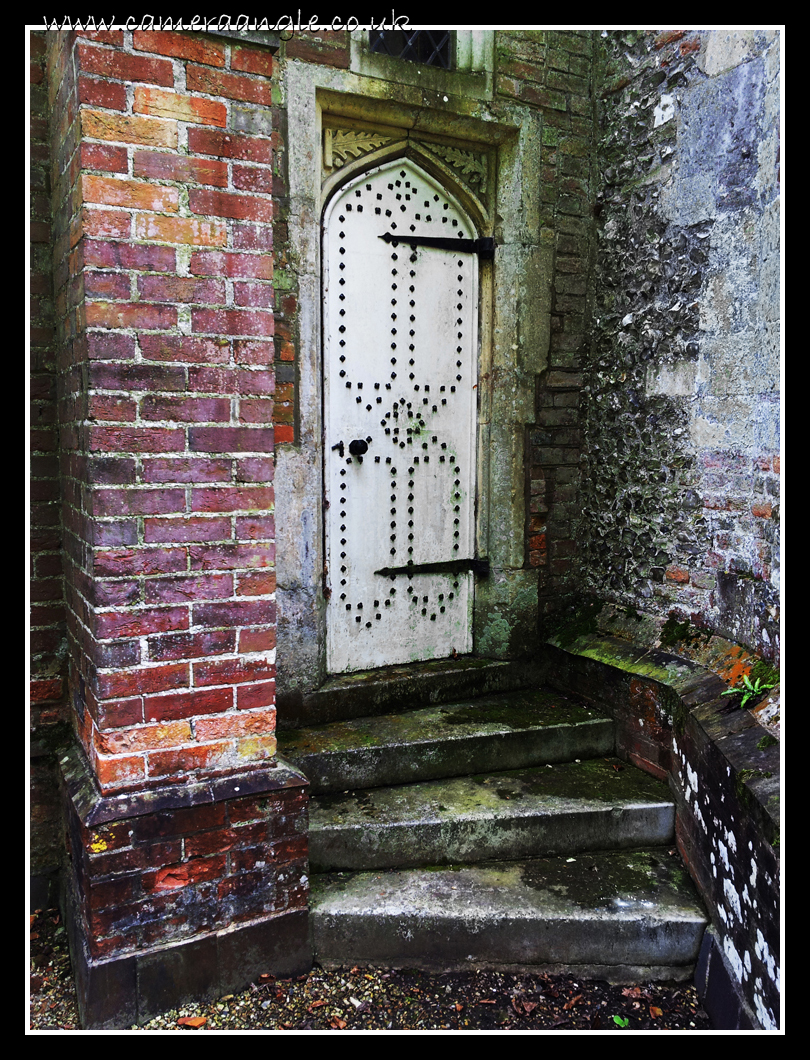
point(471, 167)
point(344, 145)
point(341, 145)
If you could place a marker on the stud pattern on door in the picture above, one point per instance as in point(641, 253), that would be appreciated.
point(400, 362)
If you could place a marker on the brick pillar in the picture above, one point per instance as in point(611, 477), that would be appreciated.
point(163, 210)
point(47, 617)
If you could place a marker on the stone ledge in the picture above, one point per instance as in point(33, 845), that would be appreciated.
point(672, 720)
point(93, 808)
point(736, 733)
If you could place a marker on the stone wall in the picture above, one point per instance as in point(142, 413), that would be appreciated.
point(680, 403)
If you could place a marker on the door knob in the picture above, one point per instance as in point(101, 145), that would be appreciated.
point(358, 447)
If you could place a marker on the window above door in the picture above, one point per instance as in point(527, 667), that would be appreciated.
point(432, 47)
point(459, 61)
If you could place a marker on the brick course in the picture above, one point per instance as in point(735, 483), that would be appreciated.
point(551, 71)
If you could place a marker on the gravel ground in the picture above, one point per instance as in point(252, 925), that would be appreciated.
point(374, 999)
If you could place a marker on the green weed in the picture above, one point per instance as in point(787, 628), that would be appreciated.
point(751, 689)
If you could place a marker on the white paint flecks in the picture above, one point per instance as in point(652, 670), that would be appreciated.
point(692, 778)
point(699, 817)
point(764, 954)
point(723, 849)
point(764, 1014)
point(665, 111)
point(732, 898)
point(733, 958)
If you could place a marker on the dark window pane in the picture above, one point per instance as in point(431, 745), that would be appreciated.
point(432, 47)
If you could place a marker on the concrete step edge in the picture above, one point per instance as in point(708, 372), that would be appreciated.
point(401, 688)
point(617, 909)
point(500, 732)
point(566, 809)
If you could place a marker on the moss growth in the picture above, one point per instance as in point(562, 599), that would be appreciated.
point(494, 640)
point(741, 783)
point(679, 712)
point(764, 673)
point(766, 741)
point(676, 632)
point(578, 621)
point(524, 711)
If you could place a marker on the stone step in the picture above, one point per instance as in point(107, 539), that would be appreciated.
point(620, 916)
point(570, 807)
point(398, 688)
point(489, 733)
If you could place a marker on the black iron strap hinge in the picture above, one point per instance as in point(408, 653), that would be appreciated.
point(484, 247)
point(448, 566)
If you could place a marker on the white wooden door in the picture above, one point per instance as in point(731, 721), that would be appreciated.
point(400, 361)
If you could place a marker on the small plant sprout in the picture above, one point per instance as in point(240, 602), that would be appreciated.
point(750, 689)
point(621, 1021)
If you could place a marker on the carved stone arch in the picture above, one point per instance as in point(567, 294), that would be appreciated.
point(426, 156)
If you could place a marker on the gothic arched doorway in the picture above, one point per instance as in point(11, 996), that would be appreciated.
point(400, 365)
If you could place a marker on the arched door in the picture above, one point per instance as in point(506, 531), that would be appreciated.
point(400, 318)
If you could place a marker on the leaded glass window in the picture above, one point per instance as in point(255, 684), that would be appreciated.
point(431, 47)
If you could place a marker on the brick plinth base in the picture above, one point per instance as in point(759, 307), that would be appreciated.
point(183, 892)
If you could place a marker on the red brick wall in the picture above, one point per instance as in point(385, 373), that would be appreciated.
point(163, 240)
point(47, 613)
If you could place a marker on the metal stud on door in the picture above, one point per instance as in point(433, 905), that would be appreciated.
point(400, 360)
